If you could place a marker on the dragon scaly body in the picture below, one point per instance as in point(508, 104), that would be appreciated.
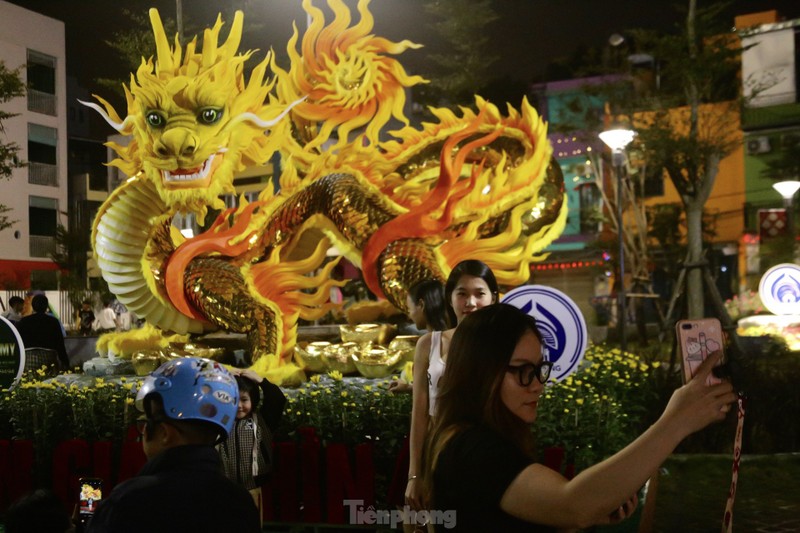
point(470, 185)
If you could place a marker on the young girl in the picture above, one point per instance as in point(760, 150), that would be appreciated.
point(427, 309)
point(470, 286)
point(477, 461)
point(426, 305)
point(247, 452)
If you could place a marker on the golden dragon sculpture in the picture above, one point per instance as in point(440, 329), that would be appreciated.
point(403, 205)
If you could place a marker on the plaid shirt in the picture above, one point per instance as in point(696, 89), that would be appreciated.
point(247, 452)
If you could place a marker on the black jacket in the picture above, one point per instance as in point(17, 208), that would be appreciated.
point(181, 489)
point(41, 330)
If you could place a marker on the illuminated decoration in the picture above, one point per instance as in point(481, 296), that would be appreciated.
point(560, 322)
point(779, 289)
point(473, 184)
point(566, 265)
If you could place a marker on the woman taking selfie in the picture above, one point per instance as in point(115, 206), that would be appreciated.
point(470, 286)
point(477, 459)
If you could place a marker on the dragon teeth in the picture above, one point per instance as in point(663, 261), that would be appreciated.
point(169, 176)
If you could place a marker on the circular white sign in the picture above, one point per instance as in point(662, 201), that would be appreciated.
point(560, 322)
point(779, 289)
point(12, 354)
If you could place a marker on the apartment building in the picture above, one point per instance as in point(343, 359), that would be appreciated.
point(771, 125)
point(37, 192)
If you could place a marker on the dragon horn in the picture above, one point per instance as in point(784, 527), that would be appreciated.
point(163, 55)
point(260, 122)
point(234, 37)
point(119, 126)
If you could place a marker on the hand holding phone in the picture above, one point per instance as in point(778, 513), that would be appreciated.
point(697, 339)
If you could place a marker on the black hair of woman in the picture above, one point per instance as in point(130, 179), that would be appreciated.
point(468, 267)
point(485, 406)
point(469, 391)
point(431, 293)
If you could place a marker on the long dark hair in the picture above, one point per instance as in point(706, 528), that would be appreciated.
point(468, 267)
point(469, 390)
point(431, 293)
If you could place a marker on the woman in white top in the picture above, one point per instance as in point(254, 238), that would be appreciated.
point(427, 309)
point(470, 286)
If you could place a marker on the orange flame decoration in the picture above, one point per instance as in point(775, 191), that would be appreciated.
point(421, 221)
point(216, 239)
point(347, 74)
point(275, 283)
point(279, 283)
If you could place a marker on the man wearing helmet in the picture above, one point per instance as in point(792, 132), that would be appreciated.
point(188, 404)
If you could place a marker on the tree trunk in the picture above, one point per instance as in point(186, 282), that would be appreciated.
point(694, 255)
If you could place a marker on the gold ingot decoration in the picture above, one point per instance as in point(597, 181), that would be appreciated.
point(190, 349)
point(364, 334)
point(309, 356)
point(146, 361)
point(338, 357)
point(376, 362)
point(406, 345)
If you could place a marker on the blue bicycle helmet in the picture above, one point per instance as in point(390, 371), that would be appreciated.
point(192, 388)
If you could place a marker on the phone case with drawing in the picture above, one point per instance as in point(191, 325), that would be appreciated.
point(697, 339)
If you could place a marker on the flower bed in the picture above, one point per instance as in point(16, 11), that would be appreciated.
point(589, 415)
point(597, 410)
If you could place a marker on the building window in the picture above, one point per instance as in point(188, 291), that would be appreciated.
point(42, 224)
point(42, 155)
point(41, 75)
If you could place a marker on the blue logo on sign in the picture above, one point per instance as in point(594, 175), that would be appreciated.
point(553, 333)
point(779, 289)
point(560, 322)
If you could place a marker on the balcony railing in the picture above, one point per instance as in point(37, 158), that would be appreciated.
point(42, 246)
point(41, 102)
point(42, 174)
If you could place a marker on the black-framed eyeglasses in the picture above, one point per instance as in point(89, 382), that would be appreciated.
point(525, 373)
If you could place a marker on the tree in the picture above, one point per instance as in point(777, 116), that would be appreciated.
point(692, 123)
point(685, 110)
point(464, 66)
point(133, 44)
point(11, 87)
point(70, 256)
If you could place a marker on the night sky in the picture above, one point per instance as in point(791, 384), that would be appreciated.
point(529, 35)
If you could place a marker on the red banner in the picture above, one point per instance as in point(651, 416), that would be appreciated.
point(772, 223)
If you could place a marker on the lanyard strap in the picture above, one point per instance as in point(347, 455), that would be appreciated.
point(727, 519)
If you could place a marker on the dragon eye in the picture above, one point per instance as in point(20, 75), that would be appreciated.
point(154, 119)
point(209, 115)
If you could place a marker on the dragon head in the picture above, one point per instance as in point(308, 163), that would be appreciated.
point(193, 119)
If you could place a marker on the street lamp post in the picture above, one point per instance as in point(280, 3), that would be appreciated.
point(617, 139)
point(787, 190)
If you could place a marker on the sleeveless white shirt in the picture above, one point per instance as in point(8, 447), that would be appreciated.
point(435, 370)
